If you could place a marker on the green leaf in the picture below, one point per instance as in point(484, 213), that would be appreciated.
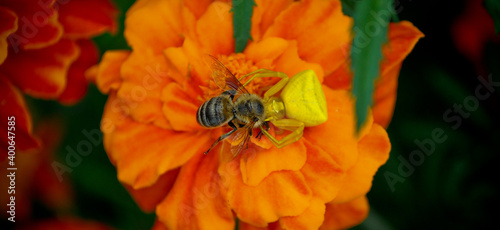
point(348, 7)
point(493, 8)
point(371, 19)
point(242, 21)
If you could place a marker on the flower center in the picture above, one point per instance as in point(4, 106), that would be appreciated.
point(239, 65)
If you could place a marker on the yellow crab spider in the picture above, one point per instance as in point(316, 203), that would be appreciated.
point(301, 103)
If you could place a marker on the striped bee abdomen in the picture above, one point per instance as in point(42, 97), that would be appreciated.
point(215, 112)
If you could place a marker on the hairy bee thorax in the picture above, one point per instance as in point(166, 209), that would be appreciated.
point(249, 107)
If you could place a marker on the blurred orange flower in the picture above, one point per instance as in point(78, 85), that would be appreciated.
point(152, 137)
point(44, 52)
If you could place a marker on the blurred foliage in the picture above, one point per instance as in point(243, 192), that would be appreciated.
point(242, 19)
point(493, 7)
point(454, 187)
point(371, 18)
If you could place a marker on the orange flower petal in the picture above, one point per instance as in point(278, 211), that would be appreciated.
point(47, 69)
point(196, 200)
point(215, 29)
point(143, 152)
point(8, 26)
point(108, 74)
point(184, 62)
point(198, 7)
point(264, 15)
point(147, 19)
point(76, 86)
point(266, 202)
point(180, 109)
point(290, 63)
point(12, 104)
point(144, 75)
point(85, 19)
point(38, 26)
point(374, 151)
point(311, 218)
point(320, 31)
point(337, 136)
point(147, 198)
point(341, 78)
point(266, 51)
point(323, 175)
point(257, 166)
point(325, 41)
point(402, 38)
point(347, 215)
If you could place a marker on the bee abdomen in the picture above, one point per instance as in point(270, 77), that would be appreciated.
point(212, 112)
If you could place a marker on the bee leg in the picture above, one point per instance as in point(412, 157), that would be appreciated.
point(223, 136)
point(297, 128)
point(266, 127)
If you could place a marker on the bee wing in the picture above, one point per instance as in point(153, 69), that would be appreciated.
point(223, 77)
point(241, 138)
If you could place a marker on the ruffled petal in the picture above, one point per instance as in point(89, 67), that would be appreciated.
point(196, 201)
point(337, 136)
point(144, 75)
point(9, 25)
point(185, 63)
point(290, 63)
point(258, 166)
point(41, 73)
point(12, 105)
point(76, 85)
point(374, 151)
point(346, 215)
point(108, 75)
point(180, 109)
point(215, 29)
point(402, 38)
point(147, 21)
point(264, 15)
point(38, 26)
point(198, 7)
point(266, 202)
point(143, 152)
point(87, 18)
point(321, 31)
point(147, 198)
point(323, 175)
point(266, 51)
point(310, 219)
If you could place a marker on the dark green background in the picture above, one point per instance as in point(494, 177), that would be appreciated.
point(454, 188)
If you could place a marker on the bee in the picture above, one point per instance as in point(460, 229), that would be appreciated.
point(301, 104)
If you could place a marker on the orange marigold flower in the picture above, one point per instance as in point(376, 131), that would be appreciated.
point(152, 137)
point(44, 52)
